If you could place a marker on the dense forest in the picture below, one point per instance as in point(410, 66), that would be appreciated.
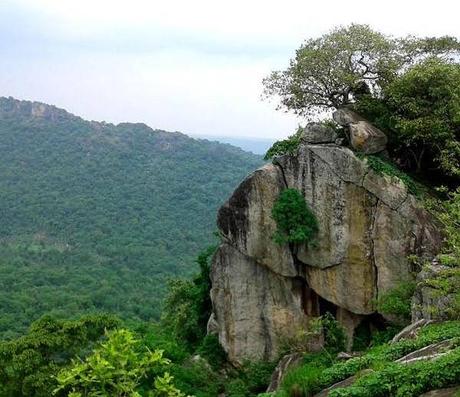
point(96, 216)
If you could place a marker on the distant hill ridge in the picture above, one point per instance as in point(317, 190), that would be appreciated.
point(96, 216)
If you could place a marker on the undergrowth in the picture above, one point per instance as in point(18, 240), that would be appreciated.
point(320, 371)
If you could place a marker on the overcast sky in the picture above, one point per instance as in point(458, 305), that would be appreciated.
point(191, 65)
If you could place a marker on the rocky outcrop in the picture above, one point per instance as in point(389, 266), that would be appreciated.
point(432, 299)
point(364, 137)
point(317, 133)
point(368, 224)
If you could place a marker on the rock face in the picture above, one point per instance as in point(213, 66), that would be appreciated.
point(368, 224)
point(429, 301)
point(364, 137)
point(318, 133)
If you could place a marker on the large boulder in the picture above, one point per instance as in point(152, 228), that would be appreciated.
point(317, 133)
point(364, 137)
point(369, 224)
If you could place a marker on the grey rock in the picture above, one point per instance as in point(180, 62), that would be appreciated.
point(255, 308)
point(428, 302)
point(344, 383)
point(430, 352)
point(364, 137)
point(345, 117)
point(318, 133)
point(288, 362)
point(449, 392)
point(368, 225)
point(245, 220)
point(411, 331)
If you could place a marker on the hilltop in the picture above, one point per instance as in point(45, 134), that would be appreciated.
point(97, 216)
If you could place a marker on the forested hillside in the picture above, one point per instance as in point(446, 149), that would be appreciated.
point(96, 216)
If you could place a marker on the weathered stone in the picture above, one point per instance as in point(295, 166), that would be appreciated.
point(245, 220)
point(428, 301)
point(368, 225)
point(391, 190)
point(364, 137)
point(345, 117)
point(349, 321)
point(411, 331)
point(344, 383)
point(430, 352)
point(349, 285)
point(287, 363)
point(318, 133)
point(449, 392)
point(254, 307)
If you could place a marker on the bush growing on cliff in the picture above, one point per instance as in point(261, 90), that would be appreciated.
point(397, 302)
point(295, 221)
point(285, 146)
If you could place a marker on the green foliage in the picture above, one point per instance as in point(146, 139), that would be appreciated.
point(311, 380)
point(334, 334)
point(252, 379)
point(29, 363)
point(118, 367)
point(385, 167)
point(188, 305)
point(406, 380)
point(295, 222)
point(425, 103)
point(96, 216)
point(212, 351)
point(420, 112)
point(397, 301)
point(285, 146)
point(347, 63)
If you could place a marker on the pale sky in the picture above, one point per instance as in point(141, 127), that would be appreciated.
point(181, 65)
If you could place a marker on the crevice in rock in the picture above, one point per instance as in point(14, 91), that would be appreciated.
point(372, 247)
point(277, 164)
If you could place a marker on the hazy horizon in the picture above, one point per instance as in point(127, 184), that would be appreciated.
point(181, 66)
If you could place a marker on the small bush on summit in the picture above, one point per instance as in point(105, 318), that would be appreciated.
point(285, 146)
point(295, 221)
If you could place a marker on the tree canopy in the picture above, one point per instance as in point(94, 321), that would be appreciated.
point(335, 69)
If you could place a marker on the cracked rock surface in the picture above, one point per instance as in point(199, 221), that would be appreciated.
point(368, 224)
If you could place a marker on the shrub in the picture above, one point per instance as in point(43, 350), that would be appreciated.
point(117, 368)
point(295, 221)
point(385, 167)
point(285, 146)
point(397, 301)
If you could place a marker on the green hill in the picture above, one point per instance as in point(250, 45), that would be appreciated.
point(96, 216)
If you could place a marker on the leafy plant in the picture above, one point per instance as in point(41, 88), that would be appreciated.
point(118, 368)
point(28, 364)
point(295, 221)
point(385, 167)
point(285, 146)
point(397, 301)
point(188, 304)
